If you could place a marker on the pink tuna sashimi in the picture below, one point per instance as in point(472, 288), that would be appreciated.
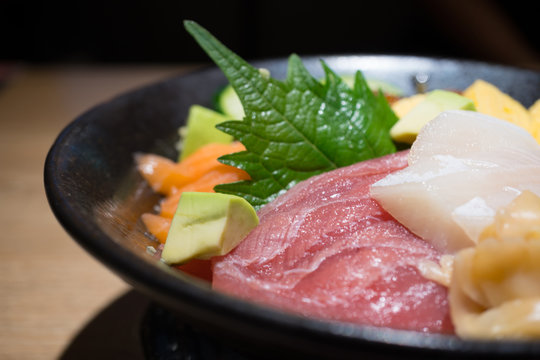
point(326, 249)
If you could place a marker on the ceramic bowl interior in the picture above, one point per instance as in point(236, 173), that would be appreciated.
point(98, 197)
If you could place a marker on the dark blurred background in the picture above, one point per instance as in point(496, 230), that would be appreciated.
point(136, 31)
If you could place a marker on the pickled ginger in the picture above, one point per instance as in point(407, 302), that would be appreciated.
point(495, 287)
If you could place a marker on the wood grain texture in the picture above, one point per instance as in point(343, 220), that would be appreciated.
point(49, 286)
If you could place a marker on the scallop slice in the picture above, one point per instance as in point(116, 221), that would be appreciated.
point(463, 167)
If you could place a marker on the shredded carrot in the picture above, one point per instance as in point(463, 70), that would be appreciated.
point(199, 172)
point(219, 175)
point(160, 172)
point(157, 225)
point(165, 176)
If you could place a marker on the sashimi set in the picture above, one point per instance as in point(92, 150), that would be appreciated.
point(342, 199)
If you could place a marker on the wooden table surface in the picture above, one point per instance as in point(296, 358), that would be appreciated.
point(55, 299)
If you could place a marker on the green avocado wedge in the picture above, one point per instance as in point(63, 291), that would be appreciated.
point(201, 130)
point(206, 225)
point(436, 101)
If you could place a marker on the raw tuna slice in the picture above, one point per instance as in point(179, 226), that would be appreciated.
point(326, 249)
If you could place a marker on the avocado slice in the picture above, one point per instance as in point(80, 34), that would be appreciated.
point(206, 225)
point(201, 129)
point(435, 102)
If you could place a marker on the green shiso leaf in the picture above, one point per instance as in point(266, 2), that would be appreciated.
point(296, 128)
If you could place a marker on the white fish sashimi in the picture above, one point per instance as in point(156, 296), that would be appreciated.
point(463, 166)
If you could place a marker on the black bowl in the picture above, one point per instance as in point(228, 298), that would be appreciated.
point(98, 197)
